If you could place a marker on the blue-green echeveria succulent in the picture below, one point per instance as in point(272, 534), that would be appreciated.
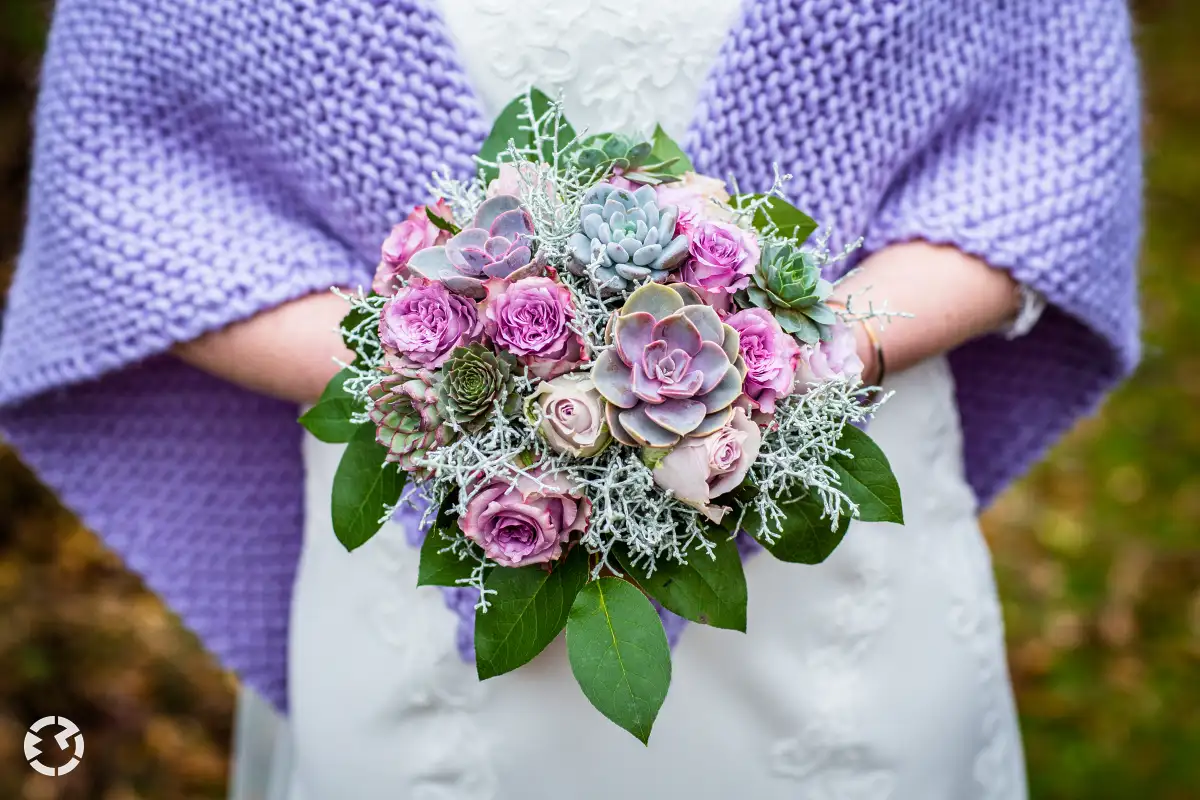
point(788, 283)
point(627, 236)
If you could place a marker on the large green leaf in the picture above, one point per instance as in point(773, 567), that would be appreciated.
point(806, 537)
point(329, 418)
point(706, 590)
point(867, 478)
point(512, 125)
point(789, 220)
point(619, 654)
point(363, 486)
point(528, 610)
point(438, 568)
point(665, 149)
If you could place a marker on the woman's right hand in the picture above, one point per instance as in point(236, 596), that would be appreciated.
point(287, 351)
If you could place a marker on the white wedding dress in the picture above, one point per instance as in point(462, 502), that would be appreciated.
point(878, 674)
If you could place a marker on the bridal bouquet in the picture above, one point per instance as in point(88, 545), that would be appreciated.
point(604, 375)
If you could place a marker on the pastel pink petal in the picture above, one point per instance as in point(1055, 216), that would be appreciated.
point(677, 416)
point(612, 415)
point(471, 237)
point(683, 472)
point(654, 352)
point(678, 332)
point(706, 321)
point(473, 261)
point(725, 392)
point(711, 362)
point(433, 263)
point(689, 387)
point(633, 334)
point(645, 431)
point(497, 246)
point(645, 387)
point(512, 224)
point(614, 380)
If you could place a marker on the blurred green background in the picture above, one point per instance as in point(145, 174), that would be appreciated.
point(1096, 550)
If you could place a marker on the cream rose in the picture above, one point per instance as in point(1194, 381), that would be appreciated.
point(700, 469)
point(572, 415)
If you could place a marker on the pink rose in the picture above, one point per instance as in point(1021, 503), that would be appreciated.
point(423, 322)
point(825, 361)
point(723, 257)
point(510, 178)
point(527, 521)
point(531, 318)
point(414, 234)
point(770, 354)
point(700, 469)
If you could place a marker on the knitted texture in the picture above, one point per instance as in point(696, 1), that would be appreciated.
point(197, 163)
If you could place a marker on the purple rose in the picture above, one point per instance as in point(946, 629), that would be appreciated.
point(527, 521)
point(770, 354)
point(531, 318)
point(825, 361)
point(699, 469)
point(423, 322)
point(406, 239)
point(723, 257)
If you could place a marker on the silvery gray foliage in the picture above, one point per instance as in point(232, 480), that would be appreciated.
point(625, 238)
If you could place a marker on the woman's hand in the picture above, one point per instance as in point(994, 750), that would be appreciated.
point(286, 352)
point(953, 297)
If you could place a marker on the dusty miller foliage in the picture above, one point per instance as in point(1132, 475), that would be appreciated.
point(628, 508)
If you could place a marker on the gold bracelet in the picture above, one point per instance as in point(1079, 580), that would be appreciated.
point(873, 335)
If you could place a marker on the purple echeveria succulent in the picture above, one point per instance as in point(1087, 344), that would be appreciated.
point(674, 369)
point(407, 419)
point(499, 245)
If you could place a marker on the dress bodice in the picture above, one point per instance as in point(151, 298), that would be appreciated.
point(616, 71)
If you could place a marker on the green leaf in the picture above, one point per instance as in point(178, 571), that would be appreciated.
point(706, 590)
point(512, 125)
point(867, 478)
point(806, 537)
point(619, 654)
point(789, 220)
point(441, 224)
point(528, 610)
point(329, 418)
point(362, 486)
point(441, 568)
point(352, 320)
point(665, 149)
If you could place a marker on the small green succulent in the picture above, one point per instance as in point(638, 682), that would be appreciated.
point(614, 153)
point(788, 283)
point(472, 380)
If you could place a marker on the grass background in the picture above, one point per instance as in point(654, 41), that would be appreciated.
point(1096, 550)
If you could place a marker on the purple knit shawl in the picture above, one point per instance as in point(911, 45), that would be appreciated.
point(197, 163)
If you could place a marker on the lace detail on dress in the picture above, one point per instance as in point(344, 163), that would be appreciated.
point(618, 71)
point(829, 755)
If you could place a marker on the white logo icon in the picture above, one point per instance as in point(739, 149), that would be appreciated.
point(69, 731)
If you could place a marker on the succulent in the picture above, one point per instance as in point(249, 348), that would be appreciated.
point(630, 158)
point(498, 245)
point(473, 378)
point(674, 369)
point(788, 283)
point(628, 236)
point(406, 416)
